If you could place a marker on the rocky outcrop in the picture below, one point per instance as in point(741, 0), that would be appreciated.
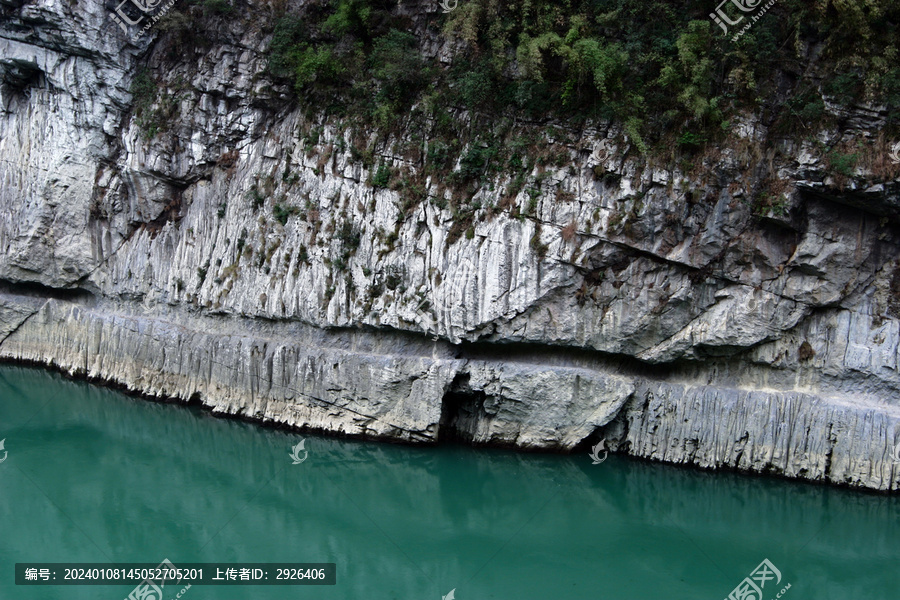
point(788, 433)
point(235, 253)
point(391, 386)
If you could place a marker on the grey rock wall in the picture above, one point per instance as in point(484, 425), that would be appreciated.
point(652, 306)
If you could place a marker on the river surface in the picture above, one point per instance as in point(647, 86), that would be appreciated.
point(93, 475)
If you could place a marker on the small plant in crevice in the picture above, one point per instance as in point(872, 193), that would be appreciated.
point(154, 109)
point(767, 203)
point(394, 276)
point(691, 141)
point(382, 176)
point(302, 254)
point(283, 212)
point(539, 247)
point(143, 91)
point(255, 196)
point(477, 162)
point(568, 232)
point(841, 163)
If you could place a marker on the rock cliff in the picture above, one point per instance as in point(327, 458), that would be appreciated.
point(238, 252)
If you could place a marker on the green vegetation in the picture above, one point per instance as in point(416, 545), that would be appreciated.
point(382, 176)
point(477, 161)
point(769, 204)
point(660, 70)
point(841, 163)
point(143, 90)
point(256, 197)
point(154, 109)
point(283, 212)
point(653, 66)
point(217, 7)
point(691, 140)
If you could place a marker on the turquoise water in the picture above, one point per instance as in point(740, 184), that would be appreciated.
point(93, 475)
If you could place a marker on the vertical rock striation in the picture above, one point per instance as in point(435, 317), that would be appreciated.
point(230, 256)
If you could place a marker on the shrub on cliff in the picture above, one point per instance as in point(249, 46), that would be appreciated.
point(651, 65)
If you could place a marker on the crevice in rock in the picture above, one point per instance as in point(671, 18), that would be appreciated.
point(461, 410)
point(171, 213)
point(861, 201)
point(39, 290)
point(550, 355)
point(19, 326)
point(18, 75)
point(614, 433)
point(602, 434)
point(829, 454)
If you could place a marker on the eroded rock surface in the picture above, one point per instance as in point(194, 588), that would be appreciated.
point(229, 259)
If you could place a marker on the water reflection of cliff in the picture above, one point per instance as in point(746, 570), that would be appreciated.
point(146, 481)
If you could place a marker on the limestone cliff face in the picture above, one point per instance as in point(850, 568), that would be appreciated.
point(240, 256)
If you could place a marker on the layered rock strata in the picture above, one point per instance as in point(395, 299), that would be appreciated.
point(236, 259)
